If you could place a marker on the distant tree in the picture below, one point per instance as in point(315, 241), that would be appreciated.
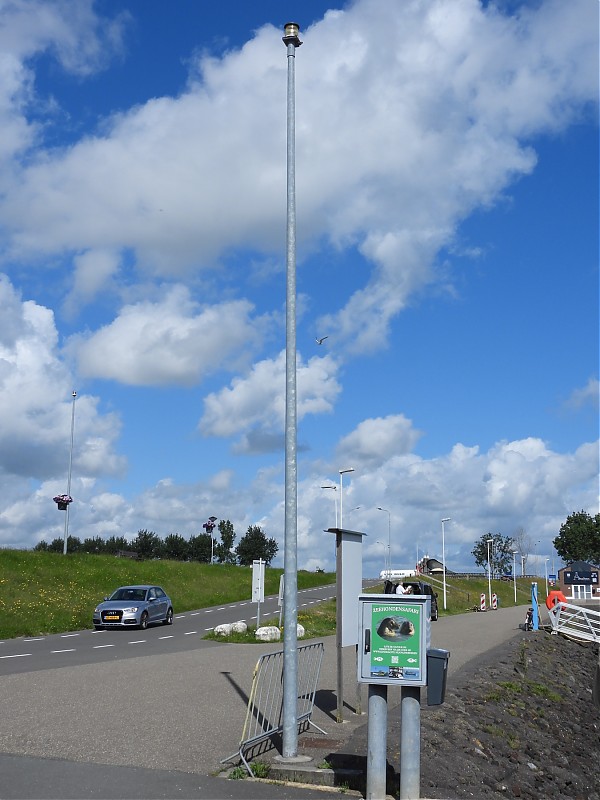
point(94, 545)
point(500, 551)
point(579, 538)
point(42, 547)
point(73, 545)
point(200, 547)
point(224, 552)
point(175, 547)
point(255, 545)
point(114, 544)
point(147, 544)
point(523, 544)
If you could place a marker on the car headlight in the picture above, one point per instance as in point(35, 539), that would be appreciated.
point(131, 610)
point(97, 610)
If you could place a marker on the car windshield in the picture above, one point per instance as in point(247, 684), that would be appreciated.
point(126, 593)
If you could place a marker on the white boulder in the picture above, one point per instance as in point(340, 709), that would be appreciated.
point(224, 629)
point(268, 633)
point(239, 627)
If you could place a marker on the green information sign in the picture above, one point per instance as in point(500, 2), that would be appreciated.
point(395, 650)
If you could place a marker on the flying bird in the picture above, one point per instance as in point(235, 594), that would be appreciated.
point(321, 340)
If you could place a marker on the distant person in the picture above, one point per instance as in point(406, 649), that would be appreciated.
point(400, 589)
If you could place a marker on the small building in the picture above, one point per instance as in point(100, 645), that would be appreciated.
point(579, 581)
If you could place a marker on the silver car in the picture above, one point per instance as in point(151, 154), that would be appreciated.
point(134, 606)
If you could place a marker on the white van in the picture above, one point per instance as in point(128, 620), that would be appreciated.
point(396, 574)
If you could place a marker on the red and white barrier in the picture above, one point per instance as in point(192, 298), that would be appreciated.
point(482, 602)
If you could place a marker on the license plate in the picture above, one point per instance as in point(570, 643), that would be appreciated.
point(111, 616)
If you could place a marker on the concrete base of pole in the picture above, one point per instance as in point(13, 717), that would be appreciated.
point(377, 742)
point(293, 759)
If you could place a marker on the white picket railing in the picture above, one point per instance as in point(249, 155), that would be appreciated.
point(577, 622)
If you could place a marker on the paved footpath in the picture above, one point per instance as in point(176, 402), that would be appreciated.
point(158, 727)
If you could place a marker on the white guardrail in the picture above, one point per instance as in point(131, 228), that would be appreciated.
point(577, 622)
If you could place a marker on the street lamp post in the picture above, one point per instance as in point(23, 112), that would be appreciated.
point(535, 562)
point(343, 472)
point(66, 534)
point(335, 501)
point(446, 519)
point(385, 564)
point(514, 552)
point(546, 560)
point(389, 544)
point(292, 41)
point(489, 541)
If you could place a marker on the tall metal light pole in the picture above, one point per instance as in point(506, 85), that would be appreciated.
point(489, 541)
point(514, 552)
point(546, 560)
point(66, 535)
point(446, 519)
point(389, 544)
point(342, 473)
point(335, 500)
point(290, 607)
point(383, 544)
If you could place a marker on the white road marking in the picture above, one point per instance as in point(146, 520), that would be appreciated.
point(37, 639)
point(194, 613)
point(166, 637)
point(190, 633)
point(69, 650)
point(99, 646)
point(68, 635)
point(139, 641)
point(18, 655)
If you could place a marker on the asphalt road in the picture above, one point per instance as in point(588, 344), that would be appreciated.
point(151, 722)
point(27, 654)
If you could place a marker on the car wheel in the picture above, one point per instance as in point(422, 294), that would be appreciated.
point(168, 620)
point(144, 621)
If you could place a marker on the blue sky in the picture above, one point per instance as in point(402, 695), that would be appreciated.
point(447, 230)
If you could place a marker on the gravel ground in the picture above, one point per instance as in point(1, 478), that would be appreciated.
point(520, 723)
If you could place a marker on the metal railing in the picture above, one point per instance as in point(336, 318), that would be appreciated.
point(576, 622)
point(264, 714)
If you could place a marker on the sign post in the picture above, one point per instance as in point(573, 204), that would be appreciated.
point(258, 586)
point(394, 637)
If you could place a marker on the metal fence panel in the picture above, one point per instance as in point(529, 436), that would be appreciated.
point(264, 714)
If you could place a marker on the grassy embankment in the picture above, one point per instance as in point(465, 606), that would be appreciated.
point(51, 593)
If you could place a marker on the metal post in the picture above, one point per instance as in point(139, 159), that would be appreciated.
point(489, 571)
point(66, 534)
point(410, 743)
point(515, 573)
point(377, 742)
point(290, 637)
point(389, 544)
point(338, 627)
point(446, 519)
